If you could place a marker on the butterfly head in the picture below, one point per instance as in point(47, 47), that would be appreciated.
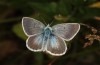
point(48, 27)
point(47, 31)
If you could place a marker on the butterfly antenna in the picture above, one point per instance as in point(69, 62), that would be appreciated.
point(51, 22)
point(44, 21)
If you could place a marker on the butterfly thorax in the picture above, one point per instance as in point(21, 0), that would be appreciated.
point(47, 32)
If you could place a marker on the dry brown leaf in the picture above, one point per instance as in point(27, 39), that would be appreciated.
point(97, 18)
point(7, 47)
point(61, 18)
point(95, 5)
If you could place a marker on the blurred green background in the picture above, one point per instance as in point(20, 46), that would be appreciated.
point(13, 49)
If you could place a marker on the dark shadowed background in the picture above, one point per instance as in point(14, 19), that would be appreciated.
point(84, 49)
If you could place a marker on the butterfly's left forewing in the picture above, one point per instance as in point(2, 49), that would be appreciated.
point(56, 46)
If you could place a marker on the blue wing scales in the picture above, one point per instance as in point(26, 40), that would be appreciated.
point(56, 46)
point(35, 42)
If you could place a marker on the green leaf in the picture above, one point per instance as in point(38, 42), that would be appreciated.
point(44, 7)
point(17, 29)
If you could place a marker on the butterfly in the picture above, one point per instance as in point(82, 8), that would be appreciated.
point(48, 39)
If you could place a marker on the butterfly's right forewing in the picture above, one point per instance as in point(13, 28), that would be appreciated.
point(32, 26)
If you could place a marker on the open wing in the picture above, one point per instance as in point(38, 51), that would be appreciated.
point(66, 30)
point(35, 42)
point(56, 46)
point(31, 26)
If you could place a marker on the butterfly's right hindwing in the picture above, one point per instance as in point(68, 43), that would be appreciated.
point(35, 42)
point(32, 26)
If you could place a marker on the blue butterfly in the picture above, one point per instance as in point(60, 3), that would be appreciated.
point(46, 38)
